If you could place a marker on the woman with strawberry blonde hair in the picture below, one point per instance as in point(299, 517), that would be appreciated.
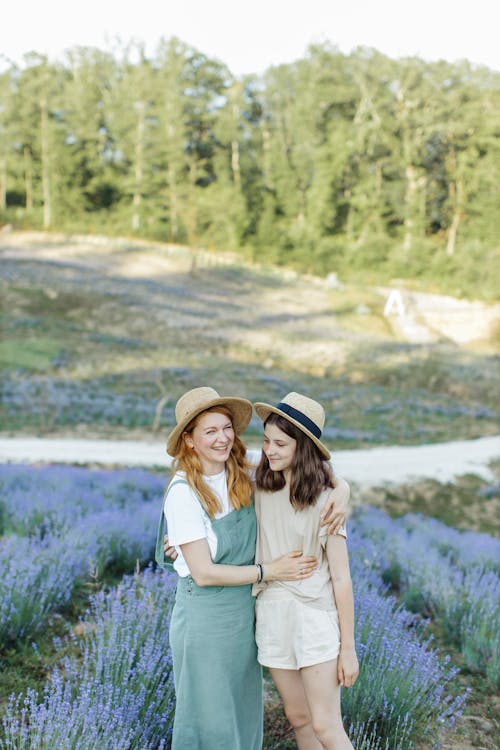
point(209, 511)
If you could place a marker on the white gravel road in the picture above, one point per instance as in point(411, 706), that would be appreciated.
point(372, 466)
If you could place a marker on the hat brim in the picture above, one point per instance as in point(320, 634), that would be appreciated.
point(264, 410)
point(240, 408)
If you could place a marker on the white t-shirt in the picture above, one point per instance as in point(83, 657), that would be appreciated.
point(187, 521)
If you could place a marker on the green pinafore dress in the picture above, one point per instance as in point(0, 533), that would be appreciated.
point(218, 681)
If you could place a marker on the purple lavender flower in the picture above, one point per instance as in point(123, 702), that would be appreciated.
point(78, 521)
point(442, 573)
point(118, 691)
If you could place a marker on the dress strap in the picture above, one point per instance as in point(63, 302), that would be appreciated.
point(161, 561)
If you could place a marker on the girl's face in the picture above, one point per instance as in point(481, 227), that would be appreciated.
point(279, 448)
point(212, 438)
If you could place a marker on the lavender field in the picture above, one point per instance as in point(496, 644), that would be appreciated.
point(108, 682)
point(101, 337)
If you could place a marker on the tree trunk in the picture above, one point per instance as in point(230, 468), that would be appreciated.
point(456, 199)
point(410, 139)
point(266, 156)
point(138, 167)
point(235, 162)
point(173, 202)
point(235, 150)
point(3, 184)
point(28, 179)
point(190, 214)
point(452, 233)
point(172, 184)
point(409, 221)
point(47, 208)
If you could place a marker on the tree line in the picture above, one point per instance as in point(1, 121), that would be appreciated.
point(357, 164)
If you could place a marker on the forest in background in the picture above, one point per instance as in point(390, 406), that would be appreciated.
point(358, 164)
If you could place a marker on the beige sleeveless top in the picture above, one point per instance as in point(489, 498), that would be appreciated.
point(282, 529)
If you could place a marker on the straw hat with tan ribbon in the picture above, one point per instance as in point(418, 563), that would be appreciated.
point(305, 413)
point(197, 400)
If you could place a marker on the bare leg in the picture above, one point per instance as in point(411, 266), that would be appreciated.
point(322, 689)
point(291, 689)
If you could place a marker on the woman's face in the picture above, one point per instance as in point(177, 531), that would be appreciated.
point(279, 448)
point(212, 438)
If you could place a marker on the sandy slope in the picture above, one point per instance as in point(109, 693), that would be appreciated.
point(392, 464)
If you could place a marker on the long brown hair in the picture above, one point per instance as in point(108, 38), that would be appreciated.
point(310, 473)
point(239, 487)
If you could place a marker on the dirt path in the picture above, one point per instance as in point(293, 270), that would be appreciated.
point(391, 464)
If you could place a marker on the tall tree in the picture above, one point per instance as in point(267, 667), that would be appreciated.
point(332, 161)
point(6, 89)
point(38, 90)
point(171, 60)
point(411, 117)
point(133, 122)
point(88, 148)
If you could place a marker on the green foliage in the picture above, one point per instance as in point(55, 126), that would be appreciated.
point(366, 166)
point(29, 353)
point(26, 664)
point(483, 652)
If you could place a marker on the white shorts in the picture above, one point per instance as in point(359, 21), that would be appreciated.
point(291, 634)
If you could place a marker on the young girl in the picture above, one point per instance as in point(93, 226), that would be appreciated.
point(304, 629)
point(211, 521)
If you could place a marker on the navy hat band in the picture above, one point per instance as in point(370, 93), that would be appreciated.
point(300, 417)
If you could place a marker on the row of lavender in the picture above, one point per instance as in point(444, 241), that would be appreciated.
point(116, 692)
point(59, 525)
point(47, 402)
point(449, 576)
point(404, 692)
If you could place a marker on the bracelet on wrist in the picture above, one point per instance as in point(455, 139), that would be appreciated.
point(260, 572)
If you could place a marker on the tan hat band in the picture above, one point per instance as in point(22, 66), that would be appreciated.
point(300, 417)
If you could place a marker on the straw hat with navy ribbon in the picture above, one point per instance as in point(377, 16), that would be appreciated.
point(197, 400)
point(305, 413)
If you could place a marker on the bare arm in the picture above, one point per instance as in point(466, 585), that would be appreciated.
point(168, 549)
point(292, 567)
point(335, 511)
point(338, 560)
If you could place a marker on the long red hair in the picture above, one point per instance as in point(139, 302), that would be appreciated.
point(239, 486)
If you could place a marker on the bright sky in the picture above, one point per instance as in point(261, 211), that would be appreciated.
point(251, 36)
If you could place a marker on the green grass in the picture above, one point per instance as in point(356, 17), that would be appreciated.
point(35, 354)
point(28, 664)
point(463, 504)
point(479, 727)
